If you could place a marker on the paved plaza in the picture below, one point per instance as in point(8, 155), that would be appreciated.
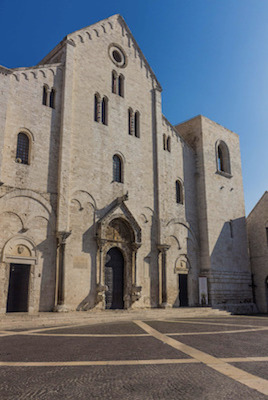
point(178, 358)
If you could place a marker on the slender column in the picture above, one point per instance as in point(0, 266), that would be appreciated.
point(100, 286)
point(163, 275)
point(135, 248)
point(136, 290)
point(60, 290)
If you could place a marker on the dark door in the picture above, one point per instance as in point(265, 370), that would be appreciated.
point(17, 300)
point(183, 294)
point(114, 279)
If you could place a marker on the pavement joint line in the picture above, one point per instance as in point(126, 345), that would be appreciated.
point(23, 332)
point(245, 359)
point(96, 363)
point(103, 335)
point(247, 379)
point(88, 334)
point(215, 323)
point(215, 333)
point(122, 362)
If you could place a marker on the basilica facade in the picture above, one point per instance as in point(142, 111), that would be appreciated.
point(103, 202)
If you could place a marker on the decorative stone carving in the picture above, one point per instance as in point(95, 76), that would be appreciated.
point(182, 265)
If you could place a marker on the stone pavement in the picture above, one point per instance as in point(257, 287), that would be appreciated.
point(24, 320)
point(165, 357)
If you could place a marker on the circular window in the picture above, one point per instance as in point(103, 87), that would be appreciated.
point(117, 55)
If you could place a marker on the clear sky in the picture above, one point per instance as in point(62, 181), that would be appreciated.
point(210, 57)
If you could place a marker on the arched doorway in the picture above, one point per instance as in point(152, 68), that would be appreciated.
point(183, 290)
point(18, 289)
point(20, 257)
point(114, 279)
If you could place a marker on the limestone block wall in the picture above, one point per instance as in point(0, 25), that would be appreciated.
point(26, 113)
point(28, 195)
point(257, 228)
point(222, 215)
point(178, 220)
point(28, 219)
point(93, 145)
point(4, 94)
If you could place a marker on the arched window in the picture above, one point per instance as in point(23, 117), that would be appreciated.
point(121, 80)
point(97, 107)
point(114, 82)
point(45, 89)
point(117, 169)
point(22, 154)
point(223, 158)
point(164, 142)
point(52, 98)
point(104, 113)
point(179, 192)
point(169, 144)
point(130, 121)
point(137, 124)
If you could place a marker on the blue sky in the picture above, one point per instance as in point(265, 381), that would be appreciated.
point(210, 57)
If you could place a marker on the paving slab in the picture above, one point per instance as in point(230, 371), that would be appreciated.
point(169, 382)
point(257, 368)
point(249, 344)
point(45, 348)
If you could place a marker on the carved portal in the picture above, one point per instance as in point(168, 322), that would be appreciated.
point(120, 230)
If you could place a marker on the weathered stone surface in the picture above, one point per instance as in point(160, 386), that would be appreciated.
point(63, 203)
point(257, 226)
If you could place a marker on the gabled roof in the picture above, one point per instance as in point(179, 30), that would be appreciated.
point(96, 30)
point(265, 194)
point(118, 208)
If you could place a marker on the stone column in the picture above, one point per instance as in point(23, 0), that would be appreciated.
point(136, 290)
point(100, 287)
point(60, 283)
point(64, 169)
point(163, 275)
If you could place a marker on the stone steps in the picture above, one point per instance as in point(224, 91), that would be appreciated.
point(26, 320)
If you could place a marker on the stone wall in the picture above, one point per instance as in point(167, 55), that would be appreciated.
point(257, 227)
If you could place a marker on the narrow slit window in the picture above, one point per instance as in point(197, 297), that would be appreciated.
point(179, 193)
point(96, 108)
point(52, 98)
point(137, 124)
point(104, 117)
point(164, 142)
point(223, 158)
point(130, 121)
point(22, 154)
point(121, 80)
point(114, 82)
point(44, 101)
point(117, 169)
point(169, 144)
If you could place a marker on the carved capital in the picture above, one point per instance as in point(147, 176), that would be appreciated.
point(163, 248)
point(62, 237)
point(135, 246)
point(100, 242)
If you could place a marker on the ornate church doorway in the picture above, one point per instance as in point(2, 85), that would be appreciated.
point(18, 290)
point(114, 279)
point(183, 290)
